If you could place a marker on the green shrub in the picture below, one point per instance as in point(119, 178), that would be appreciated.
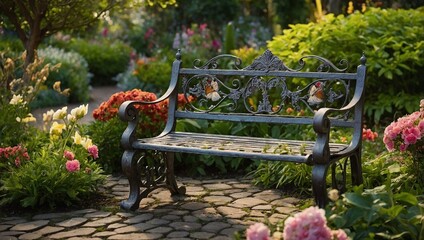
point(392, 41)
point(105, 59)
point(110, 150)
point(149, 74)
point(8, 43)
point(73, 74)
point(377, 213)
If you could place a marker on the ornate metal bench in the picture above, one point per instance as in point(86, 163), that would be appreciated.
point(258, 93)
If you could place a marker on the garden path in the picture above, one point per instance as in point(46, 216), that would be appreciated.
point(211, 209)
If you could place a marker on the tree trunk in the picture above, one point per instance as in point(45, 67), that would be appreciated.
point(31, 44)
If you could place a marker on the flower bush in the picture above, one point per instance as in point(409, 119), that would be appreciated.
point(11, 157)
point(62, 171)
point(196, 39)
point(309, 224)
point(406, 135)
point(153, 118)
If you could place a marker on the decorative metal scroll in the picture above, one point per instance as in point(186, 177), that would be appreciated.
point(264, 94)
point(152, 172)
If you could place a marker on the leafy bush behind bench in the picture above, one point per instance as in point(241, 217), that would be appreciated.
point(392, 40)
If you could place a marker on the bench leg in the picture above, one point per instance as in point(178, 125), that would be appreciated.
point(171, 183)
point(356, 168)
point(129, 167)
point(319, 185)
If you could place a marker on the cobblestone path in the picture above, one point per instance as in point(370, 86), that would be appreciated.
point(211, 209)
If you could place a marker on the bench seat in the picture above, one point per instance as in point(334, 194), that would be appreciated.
point(234, 146)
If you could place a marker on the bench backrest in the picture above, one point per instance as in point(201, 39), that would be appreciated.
point(266, 90)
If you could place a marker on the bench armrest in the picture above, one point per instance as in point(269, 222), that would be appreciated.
point(322, 126)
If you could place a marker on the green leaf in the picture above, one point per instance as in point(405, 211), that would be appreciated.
point(358, 200)
point(406, 198)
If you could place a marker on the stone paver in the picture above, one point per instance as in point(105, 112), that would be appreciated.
point(212, 209)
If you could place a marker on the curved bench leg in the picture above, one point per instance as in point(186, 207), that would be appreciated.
point(319, 185)
point(171, 182)
point(129, 167)
point(356, 168)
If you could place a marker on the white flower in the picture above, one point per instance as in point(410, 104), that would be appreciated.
point(48, 116)
point(333, 195)
point(16, 99)
point(60, 113)
point(214, 96)
point(80, 111)
point(71, 118)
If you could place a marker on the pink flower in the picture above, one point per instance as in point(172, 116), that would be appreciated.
point(258, 231)
point(339, 234)
point(308, 224)
point(17, 162)
point(68, 155)
point(203, 26)
point(94, 151)
point(72, 165)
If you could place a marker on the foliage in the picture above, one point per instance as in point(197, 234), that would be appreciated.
point(10, 43)
point(33, 21)
point(72, 74)
point(229, 38)
point(215, 13)
point(105, 58)
point(391, 41)
point(150, 74)
point(246, 54)
point(61, 171)
point(16, 95)
point(110, 150)
point(196, 40)
point(377, 213)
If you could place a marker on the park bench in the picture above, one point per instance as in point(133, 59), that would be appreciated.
point(330, 96)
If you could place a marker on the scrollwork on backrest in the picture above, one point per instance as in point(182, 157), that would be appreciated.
point(257, 89)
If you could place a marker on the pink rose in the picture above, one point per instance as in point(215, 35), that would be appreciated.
point(72, 165)
point(94, 151)
point(68, 155)
point(308, 224)
point(258, 231)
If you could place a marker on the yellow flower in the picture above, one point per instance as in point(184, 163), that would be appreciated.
point(48, 116)
point(16, 99)
point(350, 8)
point(56, 86)
point(27, 119)
point(77, 138)
point(86, 143)
point(364, 7)
point(80, 111)
point(60, 113)
point(57, 129)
